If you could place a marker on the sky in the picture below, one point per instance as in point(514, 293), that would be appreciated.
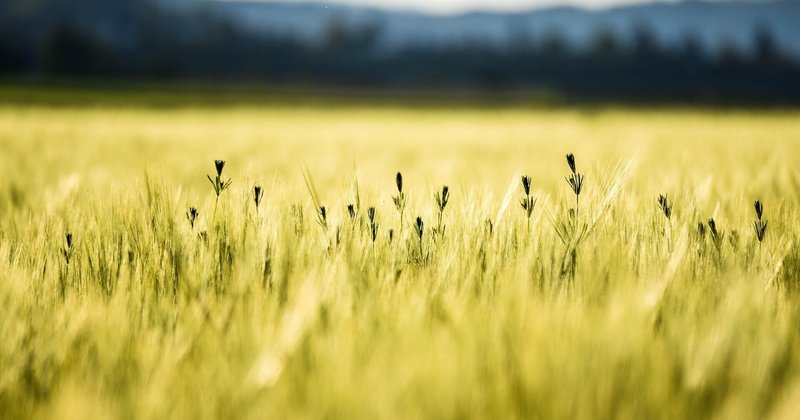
point(454, 6)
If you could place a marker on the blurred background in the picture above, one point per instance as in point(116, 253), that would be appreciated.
point(740, 52)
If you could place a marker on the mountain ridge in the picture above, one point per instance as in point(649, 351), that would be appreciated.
point(714, 24)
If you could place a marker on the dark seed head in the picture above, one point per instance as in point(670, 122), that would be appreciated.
point(373, 228)
point(571, 162)
point(258, 193)
point(419, 227)
point(351, 210)
point(399, 181)
point(712, 226)
point(441, 199)
point(219, 165)
point(759, 209)
point(323, 212)
point(663, 204)
point(191, 216)
point(69, 240)
point(371, 214)
point(526, 184)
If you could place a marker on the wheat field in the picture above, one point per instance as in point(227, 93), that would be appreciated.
point(482, 310)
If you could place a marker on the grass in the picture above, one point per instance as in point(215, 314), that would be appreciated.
point(296, 308)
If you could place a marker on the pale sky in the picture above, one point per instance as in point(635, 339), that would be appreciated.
point(451, 6)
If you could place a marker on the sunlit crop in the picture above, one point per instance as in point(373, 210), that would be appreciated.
point(394, 262)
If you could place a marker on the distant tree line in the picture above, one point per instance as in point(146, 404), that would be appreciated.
point(135, 39)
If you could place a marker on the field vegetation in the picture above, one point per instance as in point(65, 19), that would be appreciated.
point(359, 261)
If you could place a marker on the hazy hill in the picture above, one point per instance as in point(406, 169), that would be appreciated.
point(713, 24)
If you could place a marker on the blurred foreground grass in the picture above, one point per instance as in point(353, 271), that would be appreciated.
point(266, 314)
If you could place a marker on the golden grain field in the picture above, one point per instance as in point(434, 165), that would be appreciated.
point(614, 312)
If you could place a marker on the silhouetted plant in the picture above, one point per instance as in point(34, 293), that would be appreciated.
point(665, 206)
point(373, 225)
point(572, 232)
point(419, 227)
point(717, 236)
point(575, 181)
point(219, 184)
point(759, 225)
point(527, 202)
point(67, 250)
point(258, 195)
point(191, 216)
point(441, 203)
point(712, 227)
point(400, 199)
point(526, 185)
